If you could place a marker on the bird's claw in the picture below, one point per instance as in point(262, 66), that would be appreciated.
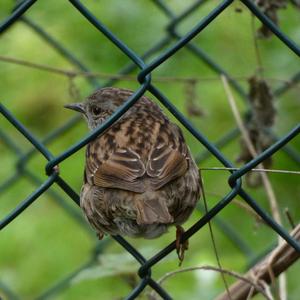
point(181, 247)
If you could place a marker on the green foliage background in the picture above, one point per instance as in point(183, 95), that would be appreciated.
point(44, 244)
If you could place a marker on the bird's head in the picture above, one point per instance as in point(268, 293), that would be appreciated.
point(100, 105)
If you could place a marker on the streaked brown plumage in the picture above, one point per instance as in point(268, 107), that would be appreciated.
point(139, 177)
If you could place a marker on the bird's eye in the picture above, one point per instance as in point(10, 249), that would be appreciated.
point(96, 110)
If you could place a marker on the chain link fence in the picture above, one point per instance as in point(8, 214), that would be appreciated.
point(162, 51)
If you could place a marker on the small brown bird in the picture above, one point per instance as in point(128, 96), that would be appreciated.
point(140, 177)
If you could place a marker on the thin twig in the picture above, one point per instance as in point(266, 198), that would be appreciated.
point(248, 209)
point(264, 176)
point(252, 170)
point(236, 275)
point(256, 48)
point(75, 73)
point(213, 239)
point(289, 217)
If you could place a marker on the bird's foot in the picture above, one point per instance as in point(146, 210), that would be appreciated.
point(180, 247)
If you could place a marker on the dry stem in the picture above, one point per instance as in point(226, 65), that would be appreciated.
point(279, 260)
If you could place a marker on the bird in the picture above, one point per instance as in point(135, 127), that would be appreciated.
point(140, 177)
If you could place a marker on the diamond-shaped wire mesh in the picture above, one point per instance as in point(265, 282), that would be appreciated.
point(162, 51)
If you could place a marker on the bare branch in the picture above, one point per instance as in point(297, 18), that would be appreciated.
point(279, 260)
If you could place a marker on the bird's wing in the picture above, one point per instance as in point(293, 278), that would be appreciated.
point(121, 170)
point(167, 161)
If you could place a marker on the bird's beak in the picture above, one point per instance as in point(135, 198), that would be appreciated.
point(76, 106)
